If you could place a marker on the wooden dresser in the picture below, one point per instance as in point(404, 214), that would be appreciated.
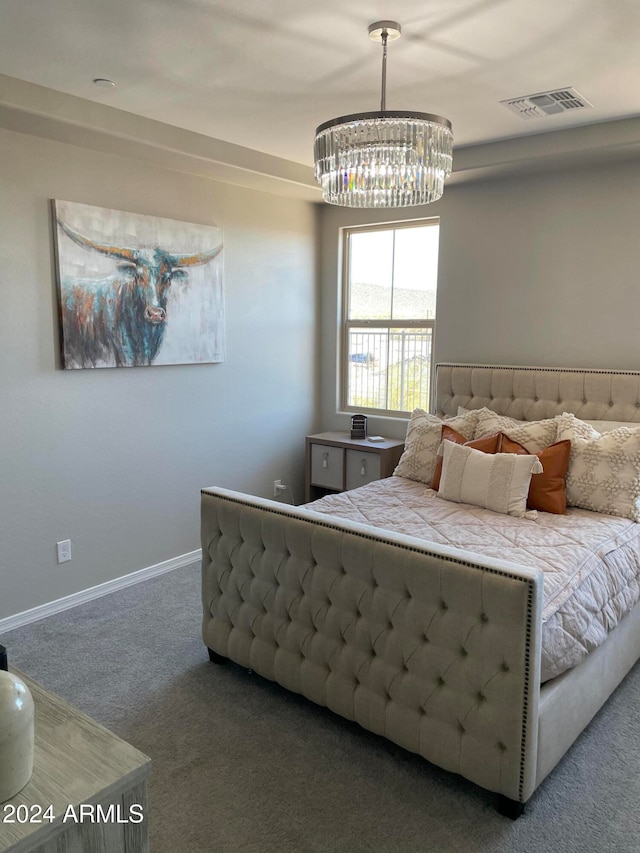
point(88, 791)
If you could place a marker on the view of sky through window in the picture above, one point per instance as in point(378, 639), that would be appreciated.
point(393, 274)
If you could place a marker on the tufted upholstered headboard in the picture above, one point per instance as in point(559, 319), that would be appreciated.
point(533, 393)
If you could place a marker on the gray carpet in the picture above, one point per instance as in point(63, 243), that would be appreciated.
point(241, 765)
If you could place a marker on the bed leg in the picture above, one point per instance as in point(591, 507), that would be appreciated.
point(509, 808)
point(214, 657)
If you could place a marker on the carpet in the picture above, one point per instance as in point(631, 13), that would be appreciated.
point(240, 764)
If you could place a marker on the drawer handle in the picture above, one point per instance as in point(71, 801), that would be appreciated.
point(363, 469)
point(325, 460)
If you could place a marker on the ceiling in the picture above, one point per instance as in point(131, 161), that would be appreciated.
point(264, 73)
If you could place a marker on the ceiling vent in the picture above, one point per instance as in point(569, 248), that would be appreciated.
point(547, 103)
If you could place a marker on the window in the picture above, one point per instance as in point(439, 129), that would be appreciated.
point(389, 288)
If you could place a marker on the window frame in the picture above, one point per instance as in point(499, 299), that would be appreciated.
point(347, 324)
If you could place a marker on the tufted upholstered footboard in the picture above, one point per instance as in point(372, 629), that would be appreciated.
point(431, 647)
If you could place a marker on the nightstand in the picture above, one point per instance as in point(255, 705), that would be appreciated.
point(335, 462)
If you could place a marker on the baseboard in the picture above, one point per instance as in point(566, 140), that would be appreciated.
point(76, 598)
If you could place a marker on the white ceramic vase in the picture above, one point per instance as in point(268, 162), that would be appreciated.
point(16, 735)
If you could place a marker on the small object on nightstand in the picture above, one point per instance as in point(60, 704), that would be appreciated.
point(376, 438)
point(359, 426)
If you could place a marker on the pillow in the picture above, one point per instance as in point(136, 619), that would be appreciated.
point(608, 426)
point(534, 435)
point(487, 444)
point(604, 470)
point(499, 482)
point(592, 429)
point(547, 490)
point(424, 431)
point(579, 428)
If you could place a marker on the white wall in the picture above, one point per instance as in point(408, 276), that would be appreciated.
point(533, 269)
point(114, 458)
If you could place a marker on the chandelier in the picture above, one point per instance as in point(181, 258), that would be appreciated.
point(390, 158)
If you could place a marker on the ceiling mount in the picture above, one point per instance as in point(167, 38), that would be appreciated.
point(392, 28)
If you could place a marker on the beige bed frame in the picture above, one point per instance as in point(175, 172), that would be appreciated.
point(435, 648)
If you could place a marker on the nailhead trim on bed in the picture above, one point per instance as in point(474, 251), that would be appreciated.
point(535, 369)
point(525, 697)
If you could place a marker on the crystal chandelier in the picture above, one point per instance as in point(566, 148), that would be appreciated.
point(391, 158)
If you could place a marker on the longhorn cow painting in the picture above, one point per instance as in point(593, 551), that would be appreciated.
point(137, 290)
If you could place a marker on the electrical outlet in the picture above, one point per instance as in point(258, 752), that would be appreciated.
point(64, 550)
point(277, 488)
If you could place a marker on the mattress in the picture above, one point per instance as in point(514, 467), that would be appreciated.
point(591, 562)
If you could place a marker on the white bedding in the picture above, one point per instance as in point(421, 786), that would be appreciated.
point(591, 561)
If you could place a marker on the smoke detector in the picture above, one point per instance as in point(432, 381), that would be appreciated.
point(547, 103)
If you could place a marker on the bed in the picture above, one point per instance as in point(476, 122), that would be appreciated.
point(442, 644)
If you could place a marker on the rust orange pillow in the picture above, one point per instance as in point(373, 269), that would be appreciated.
point(486, 443)
point(547, 491)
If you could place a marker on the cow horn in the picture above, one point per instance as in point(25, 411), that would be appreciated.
point(194, 260)
point(111, 251)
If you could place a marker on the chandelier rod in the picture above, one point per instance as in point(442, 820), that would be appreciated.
point(383, 99)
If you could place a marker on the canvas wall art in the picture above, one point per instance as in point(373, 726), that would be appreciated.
point(135, 290)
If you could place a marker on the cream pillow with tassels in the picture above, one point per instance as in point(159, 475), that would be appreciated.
point(495, 481)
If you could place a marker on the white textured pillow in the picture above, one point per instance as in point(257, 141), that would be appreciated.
point(604, 470)
point(424, 436)
point(496, 481)
point(534, 435)
point(609, 426)
point(578, 427)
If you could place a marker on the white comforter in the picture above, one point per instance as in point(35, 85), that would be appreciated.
point(591, 562)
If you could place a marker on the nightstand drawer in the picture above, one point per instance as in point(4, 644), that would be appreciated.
point(362, 467)
point(327, 466)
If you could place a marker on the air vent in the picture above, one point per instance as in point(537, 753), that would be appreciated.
point(547, 103)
